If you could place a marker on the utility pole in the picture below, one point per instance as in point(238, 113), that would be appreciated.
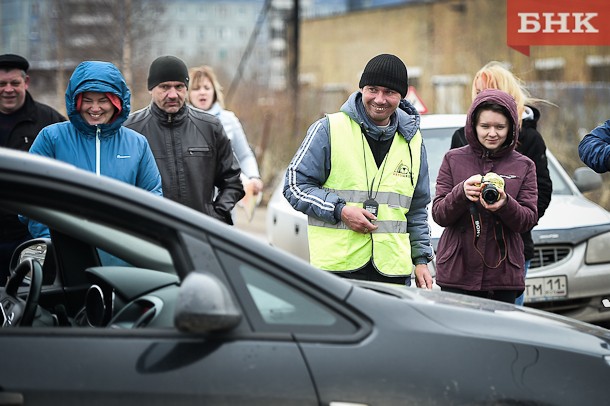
point(293, 65)
point(60, 55)
point(126, 48)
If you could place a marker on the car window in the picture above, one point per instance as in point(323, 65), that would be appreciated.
point(115, 246)
point(560, 187)
point(279, 305)
point(437, 142)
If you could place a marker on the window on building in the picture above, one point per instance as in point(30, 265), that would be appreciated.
point(415, 73)
point(449, 93)
point(550, 69)
point(221, 11)
point(599, 68)
point(600, 73)
point(223, 33)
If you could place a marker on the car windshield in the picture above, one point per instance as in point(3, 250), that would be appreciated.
point(438, 141)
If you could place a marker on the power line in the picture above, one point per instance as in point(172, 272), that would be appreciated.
point(244, 58)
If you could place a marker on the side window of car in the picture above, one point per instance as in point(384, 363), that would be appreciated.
point(279, 303)
point(281, 306)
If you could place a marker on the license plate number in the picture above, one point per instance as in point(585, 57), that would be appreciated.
point(545, 288)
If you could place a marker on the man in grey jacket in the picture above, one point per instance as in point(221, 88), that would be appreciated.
point(192, 151)
point(361, 176)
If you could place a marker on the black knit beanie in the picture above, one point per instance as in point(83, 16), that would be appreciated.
point(388, 71)
point(167, 69)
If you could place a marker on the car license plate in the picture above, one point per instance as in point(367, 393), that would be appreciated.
point(545, 288)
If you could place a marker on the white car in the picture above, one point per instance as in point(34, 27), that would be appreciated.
point(570, 272)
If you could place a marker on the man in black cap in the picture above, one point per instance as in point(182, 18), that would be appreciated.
point(361, 176)
point(21, 119)
point(193, 153)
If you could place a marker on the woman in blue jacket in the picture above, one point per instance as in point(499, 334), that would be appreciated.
point(97, 103)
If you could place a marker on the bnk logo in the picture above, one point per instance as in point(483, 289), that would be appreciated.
point(556, 22)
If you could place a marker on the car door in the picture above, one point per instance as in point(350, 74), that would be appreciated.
point(137, 366)
point(103, 367)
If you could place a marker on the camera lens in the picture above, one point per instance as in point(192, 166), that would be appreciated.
point(490, 193)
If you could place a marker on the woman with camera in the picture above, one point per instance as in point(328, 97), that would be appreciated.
point(494, 75)
point(486, 195)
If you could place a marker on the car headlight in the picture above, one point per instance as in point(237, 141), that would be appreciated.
point(597, 249)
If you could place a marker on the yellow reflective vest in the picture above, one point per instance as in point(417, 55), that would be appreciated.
point(334, 247)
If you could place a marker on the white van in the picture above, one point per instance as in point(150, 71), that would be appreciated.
point(570, 273)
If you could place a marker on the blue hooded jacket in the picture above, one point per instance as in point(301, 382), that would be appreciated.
point(594, 148)
point(106, 149)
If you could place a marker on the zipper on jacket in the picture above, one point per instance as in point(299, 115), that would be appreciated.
point(97, 150)
point(176, 157)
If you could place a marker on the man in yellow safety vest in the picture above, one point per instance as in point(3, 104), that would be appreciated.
point(361, 176)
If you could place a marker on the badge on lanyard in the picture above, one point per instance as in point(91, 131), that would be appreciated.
point(371, 206)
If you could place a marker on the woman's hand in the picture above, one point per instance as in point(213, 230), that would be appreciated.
point(472, 188)
point(502, 199)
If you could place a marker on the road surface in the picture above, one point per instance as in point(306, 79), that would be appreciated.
point(256, 227)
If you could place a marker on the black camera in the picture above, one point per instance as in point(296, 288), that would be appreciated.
point(490, 193)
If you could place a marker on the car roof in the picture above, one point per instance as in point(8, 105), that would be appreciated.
point(45, 169)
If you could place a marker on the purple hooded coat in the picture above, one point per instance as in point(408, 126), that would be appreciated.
point(459, 258)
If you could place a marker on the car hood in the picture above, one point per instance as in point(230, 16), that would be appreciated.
point(567, 211)
point(478, 317)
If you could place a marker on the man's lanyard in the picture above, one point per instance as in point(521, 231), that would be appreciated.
point(371, 205)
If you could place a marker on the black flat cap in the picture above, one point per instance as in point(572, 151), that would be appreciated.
point(12, 61)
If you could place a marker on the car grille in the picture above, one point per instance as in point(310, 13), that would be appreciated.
point(549, 254)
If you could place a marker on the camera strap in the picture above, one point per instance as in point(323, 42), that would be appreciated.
point(476, 222)
point(500, 238)
point(498, 235)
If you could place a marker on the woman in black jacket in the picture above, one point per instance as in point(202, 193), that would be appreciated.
point(530, 143)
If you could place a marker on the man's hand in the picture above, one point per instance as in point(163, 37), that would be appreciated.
point(257, 185)
point(423, 279)
point(358, 219)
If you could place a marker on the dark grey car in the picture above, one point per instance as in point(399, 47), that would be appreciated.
point(142, 301)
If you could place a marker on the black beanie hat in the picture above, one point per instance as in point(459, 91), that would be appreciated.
point(388, 71)
point(167, 69)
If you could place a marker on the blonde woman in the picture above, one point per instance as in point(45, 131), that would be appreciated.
point(530, 143)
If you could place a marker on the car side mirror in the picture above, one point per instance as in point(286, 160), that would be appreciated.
point(586, 179)
point(204, 305)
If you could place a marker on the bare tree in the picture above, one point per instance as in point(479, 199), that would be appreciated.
point(110, 30)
